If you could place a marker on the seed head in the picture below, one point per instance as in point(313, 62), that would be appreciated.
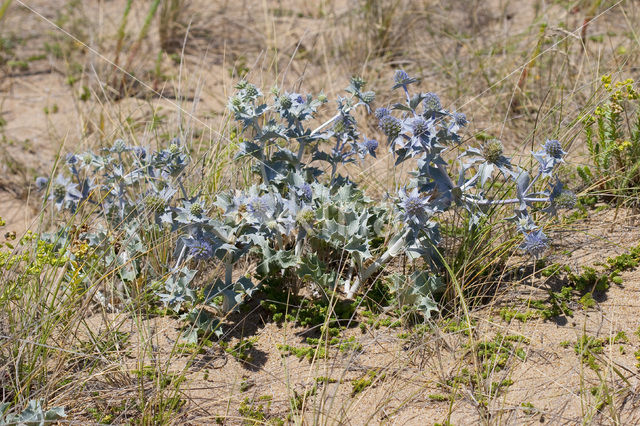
point(553, 148)
point(59, 191)
point(358, 82)
point(431, 102)
point(285, 102)
point(390, 125)
point(196, 209)
point(368, 97)
point(492, 151)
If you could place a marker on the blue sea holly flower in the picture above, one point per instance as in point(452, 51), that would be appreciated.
point(199, 249)
point(402, 79)
point(535, 243)
point(431, 103)
point(119, 146)
point(368, 146)
point(419, 126)
point(390, 126)
point(382, 112)
point(71, 159)
point(305, 191)
point(414, 208)
point(261, 208)
point(64, 193)
point(550, 156)
point(191, 213)
point(460, 119)
point(41, 183)
point(553, 148)
point(422, 131)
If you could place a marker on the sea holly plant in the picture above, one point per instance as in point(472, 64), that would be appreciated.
point(303, 219)
point(418, 129)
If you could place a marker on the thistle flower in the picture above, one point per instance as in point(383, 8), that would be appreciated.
point(431, 103)
point(535, 243)
point(492, 151)
point(382, 112)
point(64, 193)
point(154, 203)
point(344, 124)
point(251, 92)
point(391, 126)
point(119, 146)
point(260, 207)
point(199, 248)
point(71, 160)
point(419, 126)
point(414, 207)
point(460, 119)
point(553, 148)
point(370, 146)
point(402, 79)
point(305, 216)
point(285, 102)
point(41, 183)
point(305, 191)
point(368, 97)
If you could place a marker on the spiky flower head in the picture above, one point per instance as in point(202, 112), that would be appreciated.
point(305, 216)
point(251, 92)
point(305, 191)
point(343, 124)
point(382, 112)
point(370, 144)
point(553, 148)
point(414, 207)
point(236, 101)
point(174, 148)
point(260, 208)
point(71, 159)
point(285, 102)
point(155, 203)
point(431, 102)
point(492, 151)
point(241, 84)
point(419, 126)
point(59, 191)
point(41, 183)
point(196, 209)
point(391, 126)
point(401, 77)
point(460, 119)
point(199, 248)
point(565, 200)
point(358, 82)
point(368, 97)
point(535, 243)
point(119, 146)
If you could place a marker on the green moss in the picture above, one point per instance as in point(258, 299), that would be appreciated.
point(361, 384)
